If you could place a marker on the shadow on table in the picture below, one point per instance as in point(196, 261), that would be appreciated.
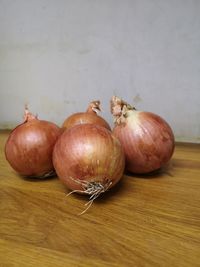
point(40, 179)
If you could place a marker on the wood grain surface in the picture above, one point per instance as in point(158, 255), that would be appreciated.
point(144, 221)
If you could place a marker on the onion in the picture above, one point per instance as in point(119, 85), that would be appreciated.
point(30, 145)
point(88, 159)
point(90, 116)
point(147, 139)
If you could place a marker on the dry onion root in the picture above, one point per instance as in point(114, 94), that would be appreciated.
point(94, 189)
point(146, 138)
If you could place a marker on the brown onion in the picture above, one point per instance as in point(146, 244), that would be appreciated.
point(30, 145)
point(89, 159)
point(147, 139)
point(90, 116)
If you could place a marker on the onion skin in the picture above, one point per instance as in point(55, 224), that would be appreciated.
point(90, 116)
point(30, 145)
point(87, 154)
point(147, 139)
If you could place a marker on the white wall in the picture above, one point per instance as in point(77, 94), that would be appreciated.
point(57, 55)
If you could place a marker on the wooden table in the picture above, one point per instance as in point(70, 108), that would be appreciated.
point(144, 221)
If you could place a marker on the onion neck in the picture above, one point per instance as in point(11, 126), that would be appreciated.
point(120, 110)
point(94, 107)
point(28, 116)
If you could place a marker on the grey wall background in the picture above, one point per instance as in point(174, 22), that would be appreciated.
point(57, 55)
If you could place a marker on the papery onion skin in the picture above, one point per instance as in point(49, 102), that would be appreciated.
point(88, 154)
point(90, 116)
point(147, 139)
point(30, 145)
